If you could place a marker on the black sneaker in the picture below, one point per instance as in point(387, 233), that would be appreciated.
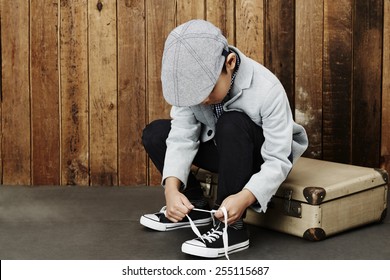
point(159, 222)
point(211, 245)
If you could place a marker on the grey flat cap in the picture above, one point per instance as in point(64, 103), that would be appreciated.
point(192, 61)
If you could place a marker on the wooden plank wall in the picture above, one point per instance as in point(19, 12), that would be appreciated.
point(385, 137)
point(81, 78)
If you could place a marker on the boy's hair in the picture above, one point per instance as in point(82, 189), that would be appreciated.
point(225, 54)
point(193, 58)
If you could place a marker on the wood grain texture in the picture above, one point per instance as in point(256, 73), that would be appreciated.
point(279, 44)
point(103, 93)
point(385, 140)
point(189, 9)
point(308, 59)
point(221, 14)
point(45, 118)
point(337, 81)
point(1, 87)
point(249, 28)
point(74, 93)
point(15, 93)
point(81, 79)
point(367, 74)
point(132, 164)
point(160, 21)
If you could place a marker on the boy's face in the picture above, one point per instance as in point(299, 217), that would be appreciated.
point(222, 86)
point(220, 90)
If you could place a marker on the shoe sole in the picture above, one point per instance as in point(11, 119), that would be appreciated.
point(212, 252)
point(152, 224)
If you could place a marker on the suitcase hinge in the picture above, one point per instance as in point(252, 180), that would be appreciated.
point(291, 207)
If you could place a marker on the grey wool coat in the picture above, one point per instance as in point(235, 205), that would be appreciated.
point(260, 95)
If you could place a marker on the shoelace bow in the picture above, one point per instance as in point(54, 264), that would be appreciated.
point(213, 234)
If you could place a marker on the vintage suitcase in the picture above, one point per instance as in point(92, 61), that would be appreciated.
point(319, 199)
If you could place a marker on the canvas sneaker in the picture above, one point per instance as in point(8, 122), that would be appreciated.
point(159, 222)
point(220, 240)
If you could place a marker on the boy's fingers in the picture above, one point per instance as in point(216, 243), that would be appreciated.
point(187, 204)
point(218, 214)
point(175, 216)
point(182, 210)
point(172, 219)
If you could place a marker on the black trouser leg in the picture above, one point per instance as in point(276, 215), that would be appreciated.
point(154, 140)
point(236, 157)
point(239, 141)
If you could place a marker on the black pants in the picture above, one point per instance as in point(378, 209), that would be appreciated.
point(235, 155)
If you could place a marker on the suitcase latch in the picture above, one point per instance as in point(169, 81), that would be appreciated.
point(291, 207)
point(207, 185)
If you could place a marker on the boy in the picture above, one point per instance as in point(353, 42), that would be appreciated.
point(230, 115)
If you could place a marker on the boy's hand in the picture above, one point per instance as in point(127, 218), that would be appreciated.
point(177, 203)
point(235, 205)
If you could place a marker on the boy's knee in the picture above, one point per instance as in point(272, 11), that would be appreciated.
point(155, 132)
point(231, 123)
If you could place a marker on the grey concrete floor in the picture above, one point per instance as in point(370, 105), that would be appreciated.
point(102, 223)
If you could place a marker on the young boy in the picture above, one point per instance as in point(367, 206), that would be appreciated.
point(230, 115)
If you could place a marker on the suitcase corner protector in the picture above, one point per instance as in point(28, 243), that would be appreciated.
point(314, 195)
point(314, 234)
point(383, 173)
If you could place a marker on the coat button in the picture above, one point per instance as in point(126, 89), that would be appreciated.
point(209, 133)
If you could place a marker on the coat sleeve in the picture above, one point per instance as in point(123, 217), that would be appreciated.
point(182, 144)
point(277, 124)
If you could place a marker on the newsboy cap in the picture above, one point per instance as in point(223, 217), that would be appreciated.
point(194, 54)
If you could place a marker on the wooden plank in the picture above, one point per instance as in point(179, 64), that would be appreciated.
point(385, 142)
point(74, 92)
point(15, 93)
point(230, 22)
point(1, 87)
point(221, 14)
point(337, 80)
point(308, 72)
point(279, 43)
point(160, 20)
point(367, 74)
point(132, 162)
point(189, 9)
point(103, 92)
point(250, 28)
point(45, 92)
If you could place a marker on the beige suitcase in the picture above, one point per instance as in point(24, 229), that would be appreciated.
point(319, 199)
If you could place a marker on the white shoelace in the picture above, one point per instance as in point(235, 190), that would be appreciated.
point(213, 234)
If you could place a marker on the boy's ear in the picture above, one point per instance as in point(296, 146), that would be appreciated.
point(231, 61)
